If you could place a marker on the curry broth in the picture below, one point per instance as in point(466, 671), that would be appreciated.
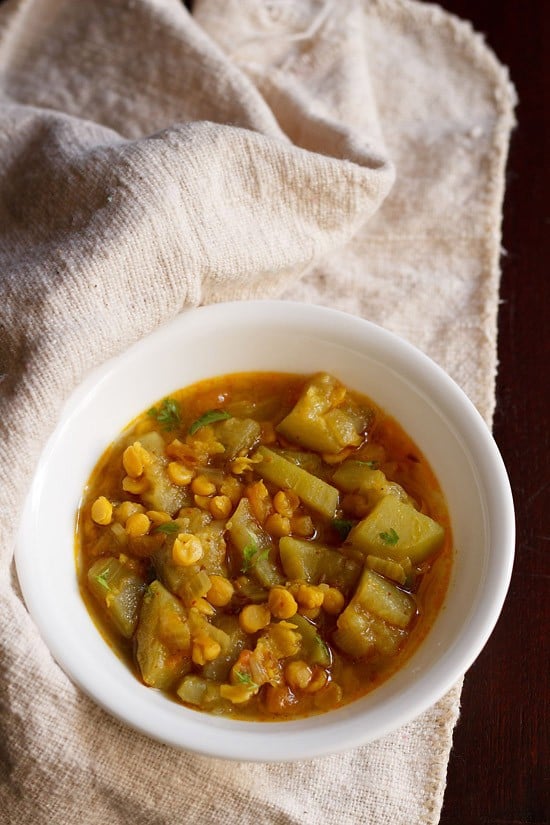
point(266, 398)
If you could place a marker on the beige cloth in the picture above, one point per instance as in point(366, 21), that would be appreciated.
point(149, 160)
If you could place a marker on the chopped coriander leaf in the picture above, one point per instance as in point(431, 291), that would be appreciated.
point(251, 556)
point(244, 678)
point(389, 537)
point(100, 579)
point(342, 527)
point(372, 465)
point(168, 527)
point(168, 414)
point(209, 417)
point(248, 553)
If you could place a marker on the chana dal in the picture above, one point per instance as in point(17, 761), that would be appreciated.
point(263, 545)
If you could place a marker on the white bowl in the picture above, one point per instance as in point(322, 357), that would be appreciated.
point(288, 337)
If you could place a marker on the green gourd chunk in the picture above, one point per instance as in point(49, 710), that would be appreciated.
point(324, 418)
point(358, 477)
point(163, 638)
point(396, 530)
point(120, 590)
point(376, 618)
point(361, 634)
point(255, 548)
point(314, 563)
point(313, 491)
point(376, 595)
point(312, 649)
point(238, 435)
point(193, 689)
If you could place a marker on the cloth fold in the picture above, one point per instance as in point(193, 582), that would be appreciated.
point(151, 160)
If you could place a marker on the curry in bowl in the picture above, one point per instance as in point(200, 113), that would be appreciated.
point(264, 545)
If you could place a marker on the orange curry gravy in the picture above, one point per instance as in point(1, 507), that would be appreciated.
point(336, 677)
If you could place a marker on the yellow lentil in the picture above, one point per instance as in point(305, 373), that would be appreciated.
point(298, 674)
point(205, 649)
point(136, 486)
point(302, 526)
point(277, 525)
point(132, 460)
point(254, 617)
point(334, 601)
point(137, 525)
point(220, 507)
point(202, 486)
point(309, 596)
point(221, 591)
point(237, 694)
point(286, 502)
point(102, 511)
point(125, 509)
point(179, 474)
point(158, 517)
point(186, 550)
point(281, 603)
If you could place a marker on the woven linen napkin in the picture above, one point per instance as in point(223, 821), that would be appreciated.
point(150, 160)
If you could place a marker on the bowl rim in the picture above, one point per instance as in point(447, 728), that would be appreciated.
point(338, 730)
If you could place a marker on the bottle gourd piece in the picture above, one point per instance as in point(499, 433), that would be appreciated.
point(163, 638)
point(313, 491)
point(357, 477)
point(324, 419)
point(119, 590)
point(375, 619)
point(314, 563)
point(255, 547)
point(395, 530)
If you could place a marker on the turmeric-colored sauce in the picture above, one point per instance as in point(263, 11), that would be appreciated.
point(263, 546)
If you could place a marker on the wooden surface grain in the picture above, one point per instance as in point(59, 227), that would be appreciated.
point(500, 763)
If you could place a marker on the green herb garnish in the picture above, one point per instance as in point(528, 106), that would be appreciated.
point(100, 579)
point(251, 556)
point(168, 527)
point(209, 417)
point(244, 678)
point(342, 527)
point(372, 465)
point(389, 537)
point(168, 414)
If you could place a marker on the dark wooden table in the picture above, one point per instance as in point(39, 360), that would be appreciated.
point(499, 772)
